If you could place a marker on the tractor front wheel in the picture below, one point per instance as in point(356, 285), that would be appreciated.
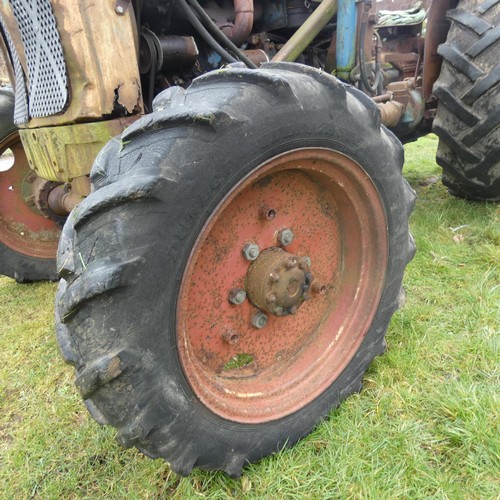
point(233, 274)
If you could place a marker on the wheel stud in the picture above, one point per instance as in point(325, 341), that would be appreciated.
point(285, 237)
point(250, 251)
point(267, 213)
point(230, 337)
point(237, 296)
point(259, 320)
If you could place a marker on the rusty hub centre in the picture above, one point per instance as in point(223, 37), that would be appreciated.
point(278, 281)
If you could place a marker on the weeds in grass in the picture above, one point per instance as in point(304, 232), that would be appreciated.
point(426, 424)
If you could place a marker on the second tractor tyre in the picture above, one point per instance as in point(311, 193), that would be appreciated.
point(468, 92)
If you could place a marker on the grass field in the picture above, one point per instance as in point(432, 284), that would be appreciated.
point(426, 424)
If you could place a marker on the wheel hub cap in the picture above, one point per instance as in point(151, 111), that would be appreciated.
point(278, 281)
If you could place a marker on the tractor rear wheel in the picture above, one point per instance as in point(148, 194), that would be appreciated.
point(233, 274)
point(468, 93)
point(28, 240)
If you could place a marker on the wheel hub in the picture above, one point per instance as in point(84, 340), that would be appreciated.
point(278, 281)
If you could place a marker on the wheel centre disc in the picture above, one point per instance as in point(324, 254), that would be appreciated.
point(259, 338)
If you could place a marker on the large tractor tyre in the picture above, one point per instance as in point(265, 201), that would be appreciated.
point(468, 93)
point(233, 274)
point(28, 241)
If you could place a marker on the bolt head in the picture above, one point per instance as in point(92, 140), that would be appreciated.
point(285, 237)
point(274, 277)
point(119, 10)
point(250, 251)
point(259, 320)
point(237, 296)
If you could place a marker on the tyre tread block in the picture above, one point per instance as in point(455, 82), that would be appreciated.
point(485, 6)
point(93, 283)
point(454, 105)
point(276, 84)
point(484, 42)
point(210, 117)
point(480, 26)
point(454, 144)
point(125, 190)
point(453, 55)
point(99, 372)
point(482, 86)
point(483, 128)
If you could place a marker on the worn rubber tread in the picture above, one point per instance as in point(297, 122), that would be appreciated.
point(99, 372)
point(98, 280)
point(455, 106)
point(482, 86)
point(483, 128)
point(484, 43)
point(485, 6)
point(456, 58)
point(124, 191)
point(456, 145)
point(480, 26)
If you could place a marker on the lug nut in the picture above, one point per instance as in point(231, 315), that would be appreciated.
point(305, 262)
point(291, 263)
point(259, 320)
point(270, 298)
point(237, 296)
point(250, 251)
point(285, 237)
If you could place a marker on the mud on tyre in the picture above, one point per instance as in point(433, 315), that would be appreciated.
point(151, 261)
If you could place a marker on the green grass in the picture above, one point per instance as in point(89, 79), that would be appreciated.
point(426, 424)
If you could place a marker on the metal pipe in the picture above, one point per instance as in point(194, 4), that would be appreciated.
point(307, 32)
point(243, 22)
point(346, 38)
point(202, 31)
point(218, 34)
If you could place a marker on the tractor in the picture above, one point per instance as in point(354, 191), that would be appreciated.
point(221, 181)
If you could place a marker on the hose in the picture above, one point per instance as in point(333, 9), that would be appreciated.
point(218, 34)
point(372, 88)
point(207, 37)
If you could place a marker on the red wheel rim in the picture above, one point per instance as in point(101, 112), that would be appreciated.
point(252, 375)
point(22, 227)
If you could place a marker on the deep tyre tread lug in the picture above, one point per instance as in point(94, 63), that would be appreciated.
point(453, 55)
point(97, 281)
point(127, 190)
point(469, 21)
